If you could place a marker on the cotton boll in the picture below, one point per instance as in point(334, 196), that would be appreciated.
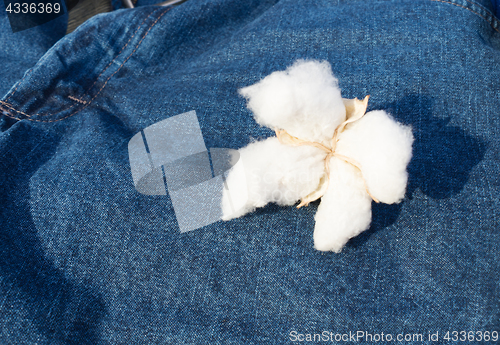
point(304, 100)
point(345, 209)
point(272, 173)
point(369, 159)
point(383, 148)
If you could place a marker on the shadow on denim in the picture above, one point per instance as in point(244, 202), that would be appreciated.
point(443, 158)
point(63, 311)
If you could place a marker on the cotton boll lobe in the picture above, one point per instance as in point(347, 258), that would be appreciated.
point(383, 148)
point(345, 209)
point(273, 173)
point(304, 100)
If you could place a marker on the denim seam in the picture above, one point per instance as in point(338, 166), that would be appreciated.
point(27, 74)
point(77, 99)
point(11, 109)
point(126, 44)
point(484, 9)
point(104, 70)
point(88, 90)
point(85, 103)
point(492, 20)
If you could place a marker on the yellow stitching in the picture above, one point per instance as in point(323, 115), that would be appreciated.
point(12, 108)
point(37, 114)
point(76, 99)
point(128, 57)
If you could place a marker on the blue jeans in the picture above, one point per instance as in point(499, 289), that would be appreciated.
point(86, 259)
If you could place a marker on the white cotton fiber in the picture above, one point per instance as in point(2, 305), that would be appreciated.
point(273, 173)
point(304, 100)
point(383, 149)
point(369, 159)
point(345, 209)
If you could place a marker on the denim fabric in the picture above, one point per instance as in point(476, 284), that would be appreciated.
point(496, 6)
point(86, 259)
